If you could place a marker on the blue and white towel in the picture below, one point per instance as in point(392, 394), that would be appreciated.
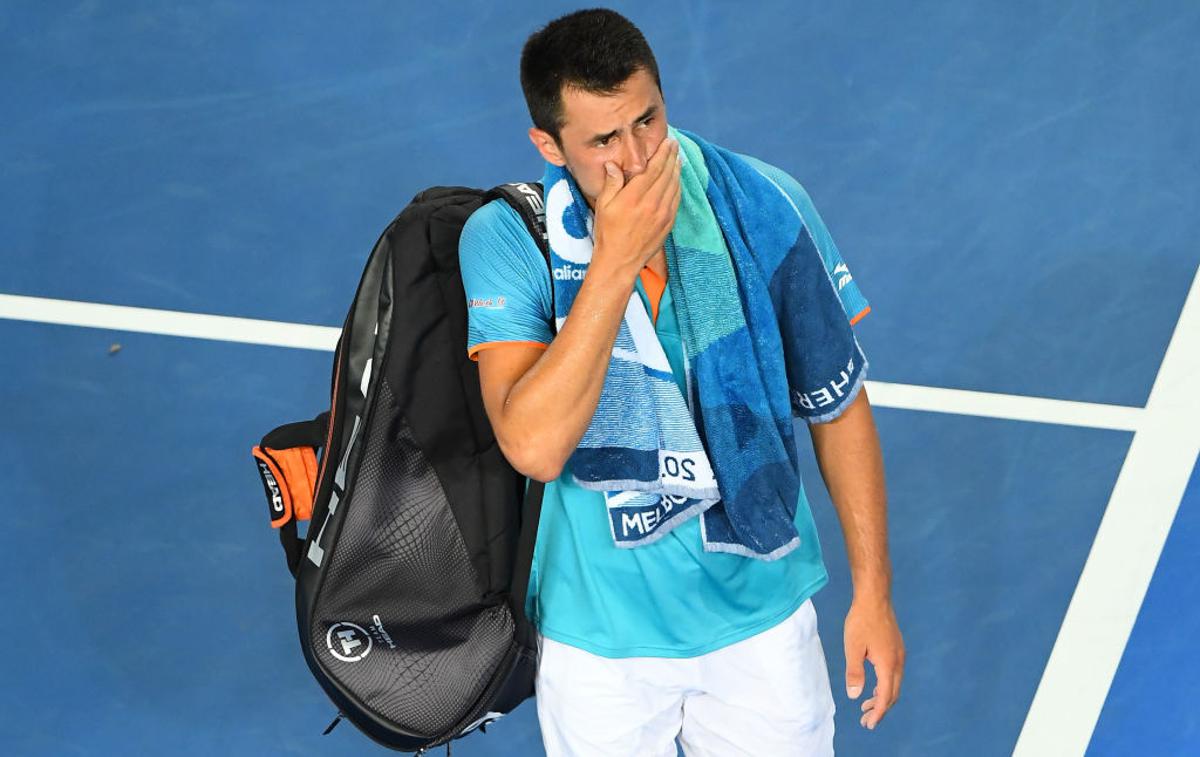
point(765, 338)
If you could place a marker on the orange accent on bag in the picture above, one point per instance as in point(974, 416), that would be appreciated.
point(295, 472)
point(299, 466)
point(280, 483)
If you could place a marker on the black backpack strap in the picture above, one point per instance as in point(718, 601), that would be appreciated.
point(287, 464)
point(531, 513)
point(526, 199)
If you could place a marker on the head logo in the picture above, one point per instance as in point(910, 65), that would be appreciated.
point(348, 642)
point(272, 485)
point(532, 196)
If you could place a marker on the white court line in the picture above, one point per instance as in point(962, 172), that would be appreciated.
point(168, 322)
point(1124, 554)
point(1006, 406)
point(280, 334)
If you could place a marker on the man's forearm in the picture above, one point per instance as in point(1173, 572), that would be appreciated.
point(851, 463)
point(553, 403)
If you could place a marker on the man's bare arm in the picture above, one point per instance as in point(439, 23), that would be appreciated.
point(541, 403)
point(851, 463)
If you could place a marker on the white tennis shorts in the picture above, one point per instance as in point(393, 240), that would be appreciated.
point(765, 695)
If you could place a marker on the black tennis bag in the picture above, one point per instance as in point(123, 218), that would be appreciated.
point(411, 578)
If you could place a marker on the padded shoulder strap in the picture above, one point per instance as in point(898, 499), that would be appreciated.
point(526, 199)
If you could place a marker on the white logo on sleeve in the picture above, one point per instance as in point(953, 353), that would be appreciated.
point(845, 278)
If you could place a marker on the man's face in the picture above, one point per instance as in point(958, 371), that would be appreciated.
point(625, 128)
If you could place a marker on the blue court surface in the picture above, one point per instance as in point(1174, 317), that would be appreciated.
point(1014, 185)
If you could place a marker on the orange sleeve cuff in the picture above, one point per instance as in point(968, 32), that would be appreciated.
point(473, 352)
point(860, 316)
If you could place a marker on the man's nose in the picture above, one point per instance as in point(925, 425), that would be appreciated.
point(632, 160)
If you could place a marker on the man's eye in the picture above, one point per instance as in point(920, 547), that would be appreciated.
point(646, 122)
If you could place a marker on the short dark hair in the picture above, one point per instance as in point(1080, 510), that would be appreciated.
point(594, 50)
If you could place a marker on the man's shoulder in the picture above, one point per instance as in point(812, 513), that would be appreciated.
point(496, 246)
point(494, 218)
point(495, 229)
point(777, 175)
point(759, 163)
point(787, 184)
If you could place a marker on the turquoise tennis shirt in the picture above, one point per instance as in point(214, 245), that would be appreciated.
point(668, 598)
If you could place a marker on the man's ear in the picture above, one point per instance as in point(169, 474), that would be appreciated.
point(546, 144)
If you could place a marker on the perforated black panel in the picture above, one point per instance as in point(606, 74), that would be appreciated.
point(400, 573)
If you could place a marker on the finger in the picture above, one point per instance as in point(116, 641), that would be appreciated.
point(667, 197)
point(854, 671)
point(657, 165)
point(666, 148)
point(885, 678)
point(676, 199)
point(614, 179)
point(669, 179)
point(869, 710)
point(669, 173)
point(871, 719)
point(885, 684)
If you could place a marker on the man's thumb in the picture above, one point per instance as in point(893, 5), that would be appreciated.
point(855, 677)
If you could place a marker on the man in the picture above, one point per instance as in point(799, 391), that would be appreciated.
point(665, 639)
